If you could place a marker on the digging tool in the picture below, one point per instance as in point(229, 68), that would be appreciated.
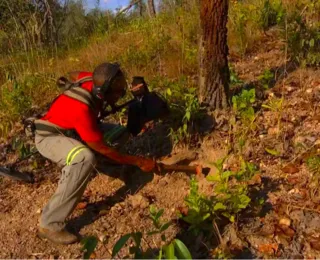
point(182, 168)
point(16, 175)
point(11, 172)
point(197, 169)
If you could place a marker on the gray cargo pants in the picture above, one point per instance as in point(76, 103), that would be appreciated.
point(78, 162)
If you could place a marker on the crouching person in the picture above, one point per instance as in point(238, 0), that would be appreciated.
point(77, 109)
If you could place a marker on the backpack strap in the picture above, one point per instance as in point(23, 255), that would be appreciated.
point(74, 90)
point(81, 95)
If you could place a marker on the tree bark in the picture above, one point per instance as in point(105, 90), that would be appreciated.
point(151, 8)
point(214, 72)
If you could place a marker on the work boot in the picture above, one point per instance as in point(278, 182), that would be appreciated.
point(58, 237)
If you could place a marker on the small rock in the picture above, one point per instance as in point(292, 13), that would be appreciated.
point(273, 131)
point(299, 139)
point(309, 90)
point(38, 211)
point(311, 139)
point(289, 88)
point(138, 201)
point(102, 237)
point(285, 221)
point(163, 182)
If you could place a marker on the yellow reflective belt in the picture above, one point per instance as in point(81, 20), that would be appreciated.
point(73, 153)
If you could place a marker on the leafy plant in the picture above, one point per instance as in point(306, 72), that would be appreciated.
point(234, 78)
point(25, 150)
point(173, 250)
point(266, 78)
point(199, 208)
point(242, 105)
point(271, 14)
point(228, 199)
point(185, 107)
point(274, 104)
point(303, 35)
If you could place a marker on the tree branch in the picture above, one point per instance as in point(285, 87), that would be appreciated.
point(128, 7)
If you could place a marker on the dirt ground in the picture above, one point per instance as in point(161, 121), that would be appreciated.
point(117, 199)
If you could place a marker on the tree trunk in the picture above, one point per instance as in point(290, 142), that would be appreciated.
point(151, 9)
point(140, 6)
point(214, 71)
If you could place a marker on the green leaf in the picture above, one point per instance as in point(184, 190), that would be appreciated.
point(266, 106)
point(182, 252)
point(272, 152)
point(89, 245)
point(165, 226)
point(163, 237)
point(137, 238)
point(153, 209)
point(214, 178)
point(160, 254)
point(225, 175)
point(311, 43)
point(188, 115)
point(169, 251)
point(159, 214)
point(169, 93)
point(120, 244)
point(204, 217)
point(219, 206)
point(35, 164)
point(244, 201)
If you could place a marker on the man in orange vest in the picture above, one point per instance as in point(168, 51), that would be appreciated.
point(77, 109)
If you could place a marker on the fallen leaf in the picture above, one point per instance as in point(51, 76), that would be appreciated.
point(82, 205)
point(269, 249)
point(183, 210)
point(290, 168)
point(256, 179)
point(273, 131)
point(286, 230)
point(315, 243)
point(293, 179)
